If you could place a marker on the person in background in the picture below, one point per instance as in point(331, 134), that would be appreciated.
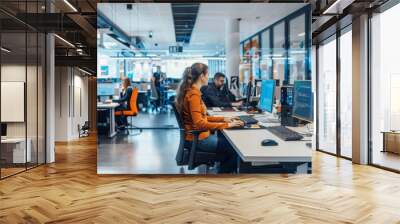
point(124, 101)
point(194, 115)
point(217, 94)
point(157, 79)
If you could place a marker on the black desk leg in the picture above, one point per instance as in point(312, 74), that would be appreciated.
point(239, 162)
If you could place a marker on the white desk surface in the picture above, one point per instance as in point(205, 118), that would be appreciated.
point(13, 140)
point(107, 105)
point(247, 143)
point(213, 112)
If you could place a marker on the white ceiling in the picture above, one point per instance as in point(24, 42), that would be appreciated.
point(210, 24)
point(208, 36)
point(141, 19)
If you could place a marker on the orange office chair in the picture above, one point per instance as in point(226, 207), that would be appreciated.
point(133, 110)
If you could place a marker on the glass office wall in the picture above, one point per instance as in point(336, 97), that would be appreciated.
point(283, 49)
point(346, 92)
point(327, 95)
point(279, 52)
point(385, 89)
point(266, 55)
point(22, 91)
point(297, 51)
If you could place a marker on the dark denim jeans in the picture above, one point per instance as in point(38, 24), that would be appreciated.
point(225, 153)
point(121, 120)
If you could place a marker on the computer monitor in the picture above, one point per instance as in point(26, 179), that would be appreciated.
point(267, 95)
point(105, 89)
point(3, 130)
point(303, 102)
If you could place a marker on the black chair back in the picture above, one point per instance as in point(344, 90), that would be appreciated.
point(182, 156)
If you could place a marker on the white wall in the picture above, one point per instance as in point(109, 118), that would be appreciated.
point(33, 127)
point(71, 102)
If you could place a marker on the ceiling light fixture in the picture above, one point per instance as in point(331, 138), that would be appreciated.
point(337, 7)
point(70, 5)
point(5, 50)
point(64, 40)
point(84, 71)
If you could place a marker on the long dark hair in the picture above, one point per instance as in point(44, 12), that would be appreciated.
point(190, 76)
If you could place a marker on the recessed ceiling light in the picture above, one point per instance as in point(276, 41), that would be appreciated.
point(84, 71)
point(5, 50)
point(70, 5)
point(64, 40)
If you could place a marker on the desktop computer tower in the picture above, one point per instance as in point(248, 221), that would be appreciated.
point(287, 107)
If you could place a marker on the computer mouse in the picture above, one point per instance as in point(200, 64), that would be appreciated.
point(269, 142)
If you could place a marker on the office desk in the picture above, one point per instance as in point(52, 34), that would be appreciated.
point(16, 148)
point(110, 107)
point(247, 144)
point(391, 141)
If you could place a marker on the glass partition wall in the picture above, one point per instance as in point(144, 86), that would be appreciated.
point(334, 95)
point(327, 131)
point(22, 77)
point(282, 50)
point(385, 90)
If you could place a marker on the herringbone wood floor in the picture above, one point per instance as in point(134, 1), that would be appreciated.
point(70, 191)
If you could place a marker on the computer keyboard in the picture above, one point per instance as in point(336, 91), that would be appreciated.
point(284, 133)
point(248, 120)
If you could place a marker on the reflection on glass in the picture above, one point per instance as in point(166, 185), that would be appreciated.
point(266, 55)
point(255, 57)
point(385, 85)
point(41, 99)
point(23, 91)
point(327, 96)
point(346, 94)
point(13, 84)
point(278, 55)
point(297, 51)
point(31, 97)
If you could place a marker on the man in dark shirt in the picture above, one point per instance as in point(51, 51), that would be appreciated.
point(217, 94)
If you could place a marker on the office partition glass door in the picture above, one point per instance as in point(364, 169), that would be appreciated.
point(266, 55)
point(22, 77)
point(297, 51)
point(385, 89)
point(14, 145)
point(279, 52)
point(346, 92)
point(327, 94)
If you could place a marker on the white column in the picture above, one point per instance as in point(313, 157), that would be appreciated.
point(50, 92)
point(50, 98)
point(232, 49)
point(360, 90)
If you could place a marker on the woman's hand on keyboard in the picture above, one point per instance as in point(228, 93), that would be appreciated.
point(236, 123)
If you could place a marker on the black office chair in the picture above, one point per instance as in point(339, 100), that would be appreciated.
point(84, 129)
point(191, 156)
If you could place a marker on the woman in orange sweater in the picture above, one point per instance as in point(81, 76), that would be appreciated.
point(194, 116)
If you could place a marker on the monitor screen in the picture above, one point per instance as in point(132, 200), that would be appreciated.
point(105, 89)
point(267, 95)
point(303, 108)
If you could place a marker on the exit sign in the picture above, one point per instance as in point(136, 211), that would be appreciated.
point(175, 49)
